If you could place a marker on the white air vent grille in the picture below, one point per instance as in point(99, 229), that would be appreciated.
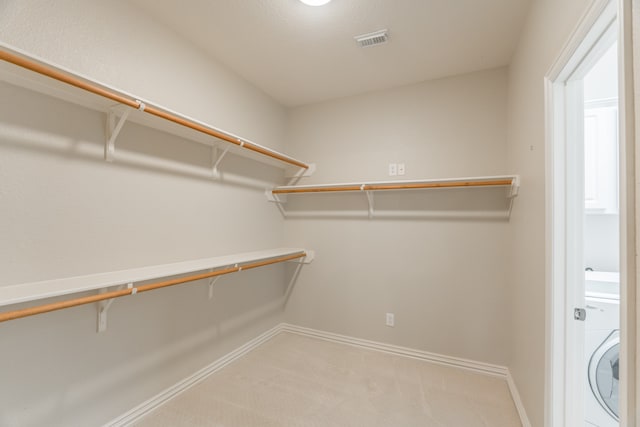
point(372, 39)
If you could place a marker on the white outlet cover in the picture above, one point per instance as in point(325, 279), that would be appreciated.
point(391, 321)
point(401, 169)
point(393, 169)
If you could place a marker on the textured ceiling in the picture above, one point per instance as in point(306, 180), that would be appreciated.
point(300, 54)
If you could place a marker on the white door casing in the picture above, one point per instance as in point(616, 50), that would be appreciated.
point(565, 208)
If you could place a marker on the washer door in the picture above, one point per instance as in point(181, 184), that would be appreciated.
point(604, 373)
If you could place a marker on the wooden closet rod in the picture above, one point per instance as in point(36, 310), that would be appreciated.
point(404, 186)
point(45, 308)
point(106, 93)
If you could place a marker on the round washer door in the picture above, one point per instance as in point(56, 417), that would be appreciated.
point(604, 374)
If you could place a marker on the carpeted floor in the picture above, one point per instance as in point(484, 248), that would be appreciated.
point(293, 380)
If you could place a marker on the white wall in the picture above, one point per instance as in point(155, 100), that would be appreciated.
point(444, 278)
point(64, 212)
point(601, 82)
point(548, 27)
point(602, 237)
point(602, 242)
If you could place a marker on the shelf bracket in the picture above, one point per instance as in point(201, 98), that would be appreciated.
point(103, 309)
point(212, 283)
point(116, 118)
point(311, 255)
point(369, 195)
point(216, 159)
point(294, 279)
point(515, 187)
point(301, 172)
point(513, 192)
point(279, 200)
point(275, 198)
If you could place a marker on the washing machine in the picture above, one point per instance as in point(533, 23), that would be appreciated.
point(602, 345)
point(604, 378)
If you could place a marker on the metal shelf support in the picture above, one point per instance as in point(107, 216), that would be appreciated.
point(216, 159)
point(299, 173)
point(212, 283)
point(369, 195)
point(103, 308)
point(116, 118)
point(308, 259)
point(515, 187)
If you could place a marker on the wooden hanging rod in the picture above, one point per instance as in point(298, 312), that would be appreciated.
point(133, 103)
point(45, 308)
point(390, 186)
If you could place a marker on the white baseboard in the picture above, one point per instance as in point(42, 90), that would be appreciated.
point(471, 365)
point(145, 408)
point(517, 401)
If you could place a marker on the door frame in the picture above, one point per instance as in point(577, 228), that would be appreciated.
point(559, 410)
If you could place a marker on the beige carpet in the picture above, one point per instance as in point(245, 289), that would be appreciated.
point(294, 380)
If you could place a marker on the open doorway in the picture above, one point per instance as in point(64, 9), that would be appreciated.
point(601, 240)
point(585, 386)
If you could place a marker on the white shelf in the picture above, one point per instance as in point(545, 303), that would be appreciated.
point(486, 196)
point(22, 77)
point(51, 288)
point(429, 184)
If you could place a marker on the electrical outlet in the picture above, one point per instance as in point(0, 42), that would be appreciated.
point(393, 169)
point(391, 319)
point(400, 168)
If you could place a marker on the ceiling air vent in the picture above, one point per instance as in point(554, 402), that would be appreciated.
point(372, 39)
